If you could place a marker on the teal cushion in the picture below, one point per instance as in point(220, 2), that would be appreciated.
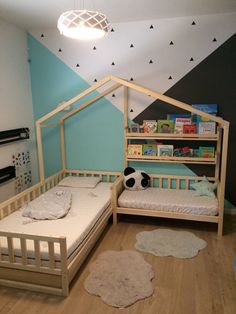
point(204, 188)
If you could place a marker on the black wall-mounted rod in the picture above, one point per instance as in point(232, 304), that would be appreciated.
point(7, 173)
point(14, 135)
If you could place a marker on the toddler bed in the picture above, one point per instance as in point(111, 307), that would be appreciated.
point(44, 255)
point(170, 197)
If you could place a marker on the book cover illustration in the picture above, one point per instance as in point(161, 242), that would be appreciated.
point(149, 126)
point(149, 149)
point(135, 150)
point(194, 152)
point(206, 152)
point(189, 129)
point(165, 126)
point(207, 127)
point(165, 150)
point(179, 124)
point(134, 128)
point(183, 152)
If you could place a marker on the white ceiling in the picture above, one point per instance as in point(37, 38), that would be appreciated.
point(30, 14)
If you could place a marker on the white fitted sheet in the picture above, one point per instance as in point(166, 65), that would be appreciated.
point(87, 206)
point(169, 200)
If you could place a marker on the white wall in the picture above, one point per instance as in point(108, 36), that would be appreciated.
point(15, 99)
point(189, 41)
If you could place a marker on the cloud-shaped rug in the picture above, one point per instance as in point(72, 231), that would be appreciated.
point(120, 278)
point(165, 242)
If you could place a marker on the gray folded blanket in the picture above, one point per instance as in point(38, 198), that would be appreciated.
point(53, 204)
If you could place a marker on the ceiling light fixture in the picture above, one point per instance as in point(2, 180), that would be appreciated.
point(83, 24)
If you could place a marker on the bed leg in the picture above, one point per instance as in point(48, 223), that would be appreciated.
point(220, 228)
point(65, 286)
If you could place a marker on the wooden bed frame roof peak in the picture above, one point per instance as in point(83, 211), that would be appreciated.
point(118, 82)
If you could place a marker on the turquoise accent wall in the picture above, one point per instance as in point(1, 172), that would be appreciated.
point(163, 168)
point(94, 136)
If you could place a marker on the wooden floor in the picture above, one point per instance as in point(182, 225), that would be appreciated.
point(201, 285)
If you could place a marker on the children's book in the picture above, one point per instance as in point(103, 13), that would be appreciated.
point(189, 128)
point(165, 126)
point(135, 150)
point(149, 149)
point(149, 126)
point(165, 150)
point(179, 124)
point(182, 152)
point(134, 128)
point(206, 152)
point(194, 152)
point(208, 108)
point(207, 127)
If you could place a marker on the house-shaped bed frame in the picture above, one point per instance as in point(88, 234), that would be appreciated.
point(221, 136)
point(19, 272)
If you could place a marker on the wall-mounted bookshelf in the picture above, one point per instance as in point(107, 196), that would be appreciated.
point(7, 173)
point(13, 135)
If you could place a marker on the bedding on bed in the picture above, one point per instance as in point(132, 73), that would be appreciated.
point(80, 182)
point(53, 204)
point(86, 208)
point(169, 200)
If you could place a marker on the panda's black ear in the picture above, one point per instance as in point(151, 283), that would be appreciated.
point(128, 171)
point(145, 175)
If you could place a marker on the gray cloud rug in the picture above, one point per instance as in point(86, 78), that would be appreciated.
point(165, 242)
point(120, 278)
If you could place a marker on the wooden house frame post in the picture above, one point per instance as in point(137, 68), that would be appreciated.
point(125, 124)
point(62, 140)
point(218, 152)
point(223, 177)
point(40, 151)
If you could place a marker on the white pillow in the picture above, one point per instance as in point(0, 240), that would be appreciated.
point(80, 182)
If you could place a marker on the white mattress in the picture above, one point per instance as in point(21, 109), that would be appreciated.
point(87, 206)
point(169, 200)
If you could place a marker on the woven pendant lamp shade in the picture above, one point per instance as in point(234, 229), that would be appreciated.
point(83, 24)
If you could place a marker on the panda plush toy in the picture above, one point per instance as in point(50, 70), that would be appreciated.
point(135, 179)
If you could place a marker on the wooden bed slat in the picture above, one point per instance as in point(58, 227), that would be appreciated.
point(168, 183)
point(37, 253)
point(23, 251)
point(28, 198)
point(64, 268)
point(51, 255)
point(9, 209)
point(177, 184)
point(10, 249)
point(187, 184)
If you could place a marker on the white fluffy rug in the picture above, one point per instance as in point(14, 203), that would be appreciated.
point(120, 278)
point(165, 242)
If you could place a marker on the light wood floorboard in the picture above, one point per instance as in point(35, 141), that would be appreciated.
point(201, 285)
